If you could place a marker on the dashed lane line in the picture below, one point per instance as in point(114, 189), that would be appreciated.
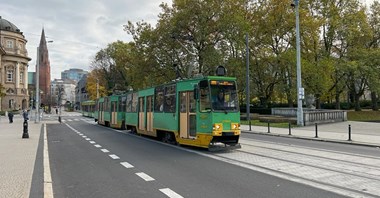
point(167, 191)
point(170, 193)
point(113, 156)
point(145, 177)
point(126, 164)
point(105, 150)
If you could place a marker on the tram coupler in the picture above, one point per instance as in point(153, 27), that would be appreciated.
point(25, 133)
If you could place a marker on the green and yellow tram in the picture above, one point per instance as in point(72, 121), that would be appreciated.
point(110, 111)
point(88, 108)
point(197, 112)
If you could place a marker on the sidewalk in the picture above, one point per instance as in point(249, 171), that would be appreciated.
point(362, 133)
point(17, 156)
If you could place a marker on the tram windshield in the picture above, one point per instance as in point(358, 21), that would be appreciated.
point(224, 96)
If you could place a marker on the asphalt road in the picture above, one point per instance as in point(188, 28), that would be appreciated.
point(81, 169)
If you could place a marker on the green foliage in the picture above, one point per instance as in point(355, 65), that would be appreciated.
point(339, 48)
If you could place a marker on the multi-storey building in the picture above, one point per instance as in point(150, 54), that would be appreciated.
point(81, 92)
point(13, 67)
point(63, 92)
point(73, 74)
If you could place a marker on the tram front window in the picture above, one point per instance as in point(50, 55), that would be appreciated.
point(224, 96)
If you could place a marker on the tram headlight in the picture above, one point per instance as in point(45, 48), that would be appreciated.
point(217, 127)
point(235, 126)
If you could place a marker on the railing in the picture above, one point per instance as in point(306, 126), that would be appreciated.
point(312, 116)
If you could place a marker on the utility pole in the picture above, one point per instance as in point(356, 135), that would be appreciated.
point(248, 97)
point(300, 90)
point(97, 88)
point(38, 87)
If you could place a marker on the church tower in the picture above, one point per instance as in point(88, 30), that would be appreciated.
point(44, 74)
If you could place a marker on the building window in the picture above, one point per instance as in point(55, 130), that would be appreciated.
point(9, 44)
point(11, 103)
point(10, 75)
point(21, 77)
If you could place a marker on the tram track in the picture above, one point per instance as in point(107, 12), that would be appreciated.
point(354, 176)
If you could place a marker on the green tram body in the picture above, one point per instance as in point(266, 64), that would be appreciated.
point(110, 111)
point(88, 108)
point(183, 112)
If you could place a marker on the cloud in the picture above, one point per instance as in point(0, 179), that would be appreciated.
point(78, 29)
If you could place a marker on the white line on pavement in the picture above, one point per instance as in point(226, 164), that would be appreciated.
point(92, 142)
point(113, 156)
point(145, 176)
point(170, 193)
point(48, 186)
point(97, 146)
point(105, 150)
point(126, 164)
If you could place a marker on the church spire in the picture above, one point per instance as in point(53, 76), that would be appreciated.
point(43, 40)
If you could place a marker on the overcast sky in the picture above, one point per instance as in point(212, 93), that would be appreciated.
point(78, 28)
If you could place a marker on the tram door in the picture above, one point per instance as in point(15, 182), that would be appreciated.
point(101, 113)
point(141, 114)
point(187, 115)
point(113, 112)
point(149, 113)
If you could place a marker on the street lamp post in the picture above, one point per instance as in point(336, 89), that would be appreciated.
point(300, 90)
point(38, 87)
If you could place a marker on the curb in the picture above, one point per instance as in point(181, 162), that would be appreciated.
point(315, 139)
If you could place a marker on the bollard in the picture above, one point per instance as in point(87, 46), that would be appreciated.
point(290, 129)
point(268, 128)
point(59, 119)
point(316, 130)
point(25, 131)
point(349, 132)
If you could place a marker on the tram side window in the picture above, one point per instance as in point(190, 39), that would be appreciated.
point(122, 103)
point(101, 106)
point(106, 105)
point(129, 103)
point(159, 99)
point(204, 96)
point(149, 104)
point(134, 102)
point(170, 99)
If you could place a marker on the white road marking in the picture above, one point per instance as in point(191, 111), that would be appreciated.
point(92, 142)
point(113, 156)
point(84, 136)
point(76, 119)
point(88, 139)
point(48, 186)
point(105, 150)
point(126, 164)
point(168, 192)
point(69, 120)
point(97, 146)
point(145, 176)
